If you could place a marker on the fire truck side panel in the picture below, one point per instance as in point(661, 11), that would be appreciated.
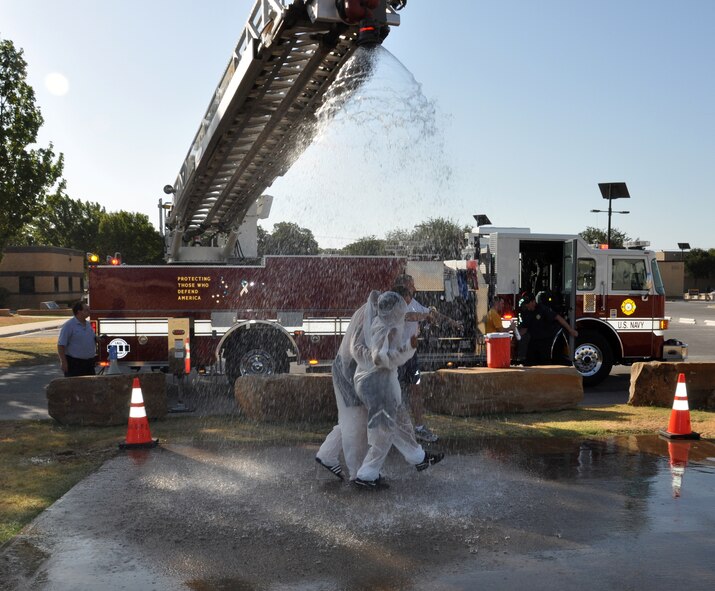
point(315, 295)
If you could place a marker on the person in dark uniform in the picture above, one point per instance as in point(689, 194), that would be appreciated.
point(541, 324)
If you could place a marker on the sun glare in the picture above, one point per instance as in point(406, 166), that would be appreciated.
point(57, 84)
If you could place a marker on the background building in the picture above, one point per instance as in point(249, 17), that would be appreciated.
point(34, 274)
point(675, 277)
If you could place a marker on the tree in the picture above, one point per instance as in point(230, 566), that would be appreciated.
point(366, 246)
point(288, 238)
point(441, 237)
point(437, 238)
point(131, 234)
point(66, 223)
point(700, 263)
point(26, 175)
point(597, 236)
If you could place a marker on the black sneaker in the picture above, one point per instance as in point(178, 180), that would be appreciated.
point(430, 459)
point(334, 470)
point(378, 484)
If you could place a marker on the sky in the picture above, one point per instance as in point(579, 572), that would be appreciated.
point(527, 106)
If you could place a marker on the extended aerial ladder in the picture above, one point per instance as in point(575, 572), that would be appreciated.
point(259, 119)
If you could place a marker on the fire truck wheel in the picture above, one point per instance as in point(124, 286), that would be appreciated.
point(256, 361)
point(593, 358)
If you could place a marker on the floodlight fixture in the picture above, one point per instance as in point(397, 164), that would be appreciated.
point(683, 246)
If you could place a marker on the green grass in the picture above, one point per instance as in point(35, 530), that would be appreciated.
point(24, 351)
point(41, 460)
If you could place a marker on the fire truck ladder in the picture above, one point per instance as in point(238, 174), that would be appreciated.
point(258, 122)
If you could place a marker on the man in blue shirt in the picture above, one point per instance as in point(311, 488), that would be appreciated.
point(77, 344)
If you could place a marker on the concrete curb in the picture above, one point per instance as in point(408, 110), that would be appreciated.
point(21, 329)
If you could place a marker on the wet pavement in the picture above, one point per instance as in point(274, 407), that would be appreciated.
point(623, 513)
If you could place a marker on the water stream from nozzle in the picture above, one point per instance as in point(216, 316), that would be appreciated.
point(377, 162)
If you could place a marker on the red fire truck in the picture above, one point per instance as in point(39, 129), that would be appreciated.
point(256, 319)
point(615, 297)
point(242, 319)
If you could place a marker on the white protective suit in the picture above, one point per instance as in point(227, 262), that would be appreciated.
point(390, 425)
point(377, 386)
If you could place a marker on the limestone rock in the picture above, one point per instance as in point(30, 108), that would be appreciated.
point(286, 397)
point(463, 392)
point(484, 391)
point(653, 383)
point(104, 400)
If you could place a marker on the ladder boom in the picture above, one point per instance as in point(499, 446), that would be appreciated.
point(258, 121)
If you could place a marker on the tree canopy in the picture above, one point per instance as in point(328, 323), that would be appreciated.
point(27, 176)
point(437, 238)
point(700, 263)
point(131, 234)
point(367, 246)
point(66, 223)
point(598, 236)
point(288, 238)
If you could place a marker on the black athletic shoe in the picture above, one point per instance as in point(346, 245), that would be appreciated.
point(334, 470)
point(430, 459)
point(378, 484)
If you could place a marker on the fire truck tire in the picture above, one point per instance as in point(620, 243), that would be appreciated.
point(593, 357)
point(262, 357)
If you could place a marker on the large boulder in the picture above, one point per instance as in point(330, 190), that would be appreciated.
point(287, 397)
point(104, 400)
point(653, 383)
point(463, 392)
point(485, 391)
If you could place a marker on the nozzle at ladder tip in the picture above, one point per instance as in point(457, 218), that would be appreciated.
point(138, 434)
point(679, 424)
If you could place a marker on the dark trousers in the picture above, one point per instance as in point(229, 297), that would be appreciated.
point(538, 352)
point(79, 367)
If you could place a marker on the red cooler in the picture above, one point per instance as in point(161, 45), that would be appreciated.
point(498, 349)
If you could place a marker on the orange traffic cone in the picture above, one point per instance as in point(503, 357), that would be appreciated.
point(678, 451)
point(679, 424)
point(187, 359)
point(138, 434)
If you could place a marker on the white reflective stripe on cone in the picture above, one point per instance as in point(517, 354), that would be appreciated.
point(137, 396)
point(137, 412)
point(680, 404)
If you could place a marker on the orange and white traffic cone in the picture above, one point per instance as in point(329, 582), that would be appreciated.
point(678, 452)
point(138, 434)
point(679, 424)
point(187, 358)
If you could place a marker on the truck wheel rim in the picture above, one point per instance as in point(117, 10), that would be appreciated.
point(588, 359)
point(257, 362)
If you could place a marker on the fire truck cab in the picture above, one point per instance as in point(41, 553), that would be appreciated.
point(615, 298)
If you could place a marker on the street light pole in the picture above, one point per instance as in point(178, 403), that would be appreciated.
point(612, 191)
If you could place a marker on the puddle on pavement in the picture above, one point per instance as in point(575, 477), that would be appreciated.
point(491, 500)
point(265, 518)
